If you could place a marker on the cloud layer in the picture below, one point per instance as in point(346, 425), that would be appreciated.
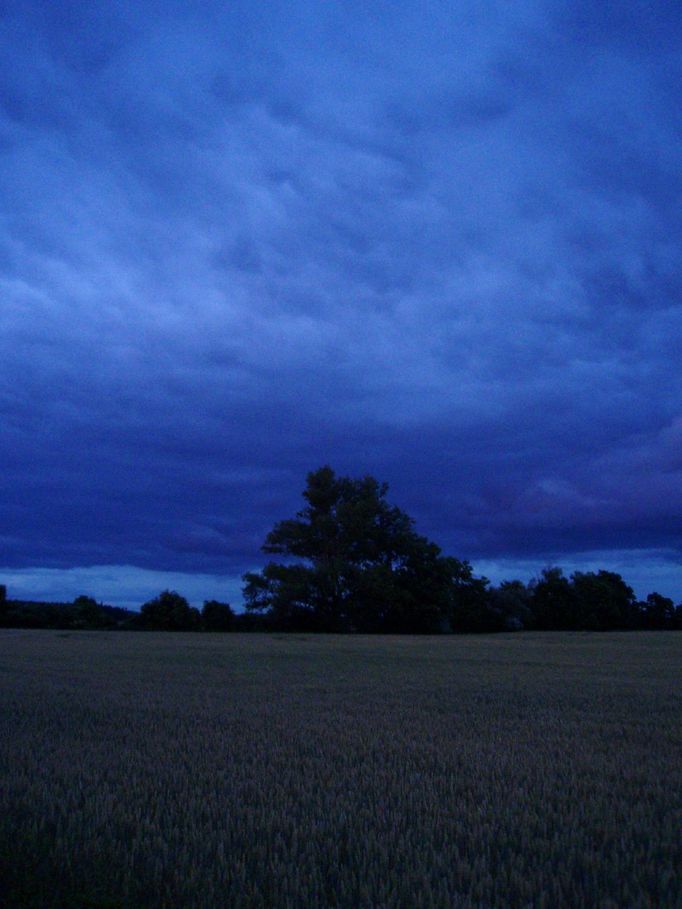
point(439, 244)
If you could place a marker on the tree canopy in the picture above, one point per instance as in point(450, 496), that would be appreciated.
point(169, 612)
point(216, 616)
point(352, 561)
point(360, 565)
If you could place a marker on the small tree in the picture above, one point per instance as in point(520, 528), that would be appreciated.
point(88, 614)
point(552, 601)
point(657, 612)
point(217, 616)
point(169, 612)
point(603, 601)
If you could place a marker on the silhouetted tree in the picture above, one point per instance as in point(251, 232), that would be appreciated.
point(217, 616)
point(591, 601)
point(657, 611)
point(511, 601)
point(169, 612)
point(603, 601)
point(88, 614)
point(552, 601)
point(362, 565)
point(470, 609)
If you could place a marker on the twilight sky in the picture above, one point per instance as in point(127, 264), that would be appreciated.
point(437, 242)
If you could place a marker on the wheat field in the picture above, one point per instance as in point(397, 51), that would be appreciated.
point(187, 770)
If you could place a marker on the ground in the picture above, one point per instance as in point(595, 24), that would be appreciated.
point(187, 770)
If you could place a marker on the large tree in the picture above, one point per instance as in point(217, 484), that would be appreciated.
point(354, 563)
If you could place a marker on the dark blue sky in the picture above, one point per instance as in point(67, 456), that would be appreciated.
point(436, 242)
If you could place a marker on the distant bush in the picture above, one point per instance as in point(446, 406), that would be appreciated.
point(217, 616)
point(170, 612)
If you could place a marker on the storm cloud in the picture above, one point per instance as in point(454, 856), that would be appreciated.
point(438, 243)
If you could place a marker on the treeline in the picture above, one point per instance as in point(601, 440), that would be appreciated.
point(354, 563)
point(167, 612)
point(592, 601)
point(83, 612)
point(585, 601)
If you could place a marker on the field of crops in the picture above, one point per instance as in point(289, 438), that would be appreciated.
point(173, 770)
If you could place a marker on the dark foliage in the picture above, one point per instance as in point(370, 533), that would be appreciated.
point(83, 613)
point(594, 601)
point(352, 562)
point(217, 616)
point(361, 567)
point(658, 612)
point(170, 612)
